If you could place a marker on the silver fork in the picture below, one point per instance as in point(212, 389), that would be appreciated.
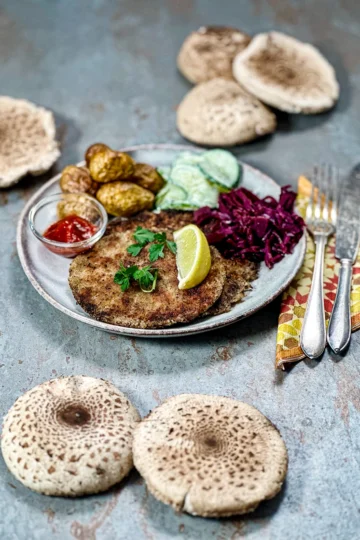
point(321, 223)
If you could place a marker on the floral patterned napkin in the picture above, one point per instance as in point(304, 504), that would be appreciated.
point(294, 299)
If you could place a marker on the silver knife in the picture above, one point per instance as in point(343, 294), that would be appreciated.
point(347, 244)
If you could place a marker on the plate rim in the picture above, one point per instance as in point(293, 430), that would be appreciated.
point(141, 332)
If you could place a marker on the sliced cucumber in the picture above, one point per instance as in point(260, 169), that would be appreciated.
point(187, 158)
point(164, 172)
point(171, 197)
point(194, 182)
point(221, 167)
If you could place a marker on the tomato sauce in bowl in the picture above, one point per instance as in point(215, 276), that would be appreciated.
point(70, 229)
point(72, 234)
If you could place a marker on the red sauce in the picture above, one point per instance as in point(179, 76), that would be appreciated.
point(70, 229)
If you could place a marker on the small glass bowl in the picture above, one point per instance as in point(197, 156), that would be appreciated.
point(45, 213)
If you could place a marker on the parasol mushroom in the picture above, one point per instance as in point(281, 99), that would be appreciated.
point(70, 436)
point(27, 140)
point(221, 113)
point(209, 456)
point(287, 74)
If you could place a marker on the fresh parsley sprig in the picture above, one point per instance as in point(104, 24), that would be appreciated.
point(146, 277)
point(158, 240)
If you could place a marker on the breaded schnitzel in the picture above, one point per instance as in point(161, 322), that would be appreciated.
point(91, 279)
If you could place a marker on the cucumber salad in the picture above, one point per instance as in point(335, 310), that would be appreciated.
point(195, 180)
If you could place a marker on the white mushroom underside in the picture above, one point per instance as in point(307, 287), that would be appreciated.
point(209, 456)
point(287, 74)
point(27, 140)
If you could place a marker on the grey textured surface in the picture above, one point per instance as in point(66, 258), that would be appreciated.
point(107, 70)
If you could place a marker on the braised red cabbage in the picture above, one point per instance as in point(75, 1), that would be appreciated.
point(247, 227)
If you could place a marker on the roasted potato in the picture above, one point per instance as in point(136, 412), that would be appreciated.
point(107, 166)
point(77, 180)
point(147, 177)
point(93, 149)
point(125, 199)
point(76, 204)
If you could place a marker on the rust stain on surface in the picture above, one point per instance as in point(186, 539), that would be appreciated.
point(134, 345)
point(141, 115)
point(4, 199)
point(87, 531)
point(223, 353)
point(50, 514)
point(156, 396)
point(347, 393)
point(239, 529)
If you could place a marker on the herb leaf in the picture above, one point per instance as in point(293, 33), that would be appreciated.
point(146, 277)
point(160, 237)
point(149, 289)
point(123, 276)
point(172, 246)
point(134, 249)
point(156, 251)
point(143, 236)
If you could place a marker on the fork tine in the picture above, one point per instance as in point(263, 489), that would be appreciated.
point(326, 192)
point(310, 206)
point(334, 194)
point(318, 180)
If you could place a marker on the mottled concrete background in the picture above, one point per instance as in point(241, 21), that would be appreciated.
point(107, 70)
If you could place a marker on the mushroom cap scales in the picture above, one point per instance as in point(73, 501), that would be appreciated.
point(221, 113)
point(210, 456)
point(287, 74)
point(70, 436)
point(27, 140)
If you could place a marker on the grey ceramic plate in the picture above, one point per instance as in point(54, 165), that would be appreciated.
point(48, 272)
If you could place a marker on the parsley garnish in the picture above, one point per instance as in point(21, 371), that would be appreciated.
point(156, 251)
point(172, 246)
point(143, 236)
point(134, 249)
point(124, 275)
point(146, 277)
point(158, 240)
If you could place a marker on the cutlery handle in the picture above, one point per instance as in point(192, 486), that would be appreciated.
point(313, 333)
point(339, 330)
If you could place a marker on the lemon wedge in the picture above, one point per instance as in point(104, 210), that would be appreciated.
point(193, 256)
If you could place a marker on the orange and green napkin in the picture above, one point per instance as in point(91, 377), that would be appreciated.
point(293, 303)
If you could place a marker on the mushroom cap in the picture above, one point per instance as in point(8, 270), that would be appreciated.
point(27, 140)
point(209, 456)
point(286, 73)
point(221, 113)
point(209, 52)
point(70, 436)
